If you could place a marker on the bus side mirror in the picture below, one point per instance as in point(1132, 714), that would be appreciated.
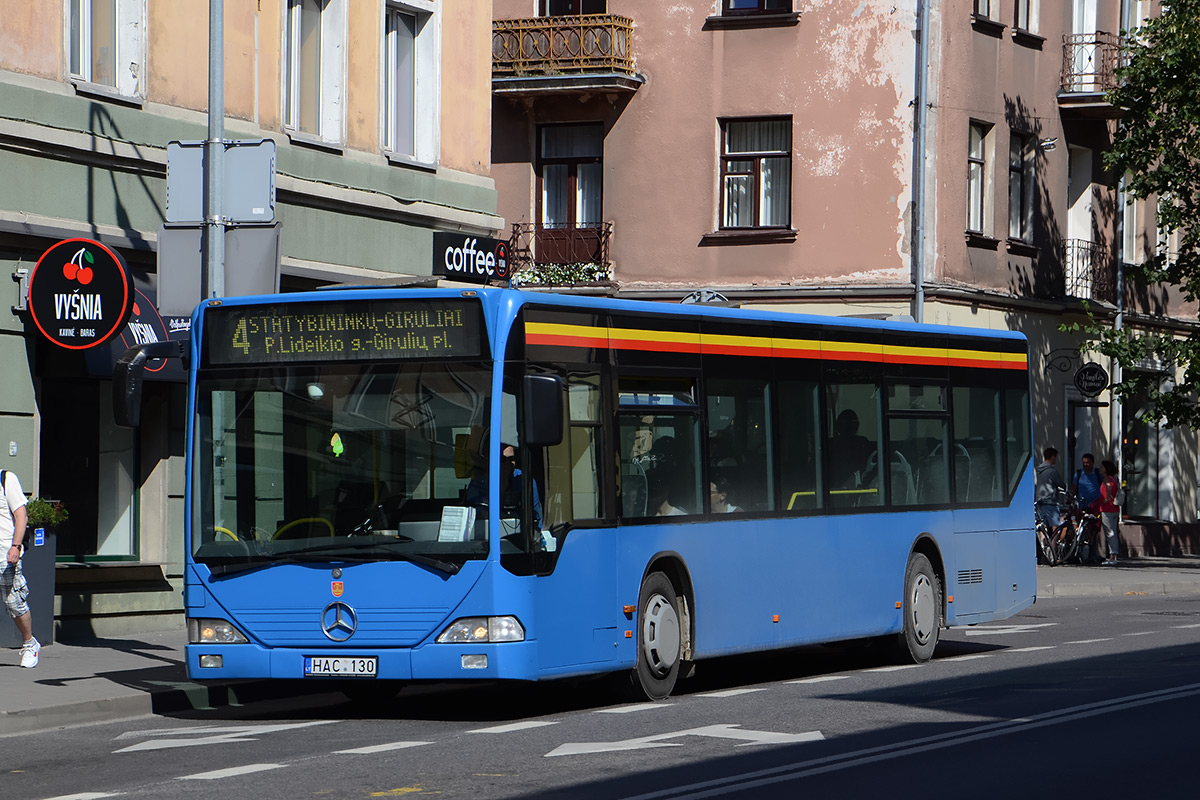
point(128, 375)
point(543, 410)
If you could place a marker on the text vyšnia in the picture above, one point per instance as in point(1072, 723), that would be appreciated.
point(348, 332)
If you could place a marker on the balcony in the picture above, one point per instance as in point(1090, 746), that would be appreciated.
point(561, 252)
point(1089, 271)
point(558, 55)
point(1090, 63)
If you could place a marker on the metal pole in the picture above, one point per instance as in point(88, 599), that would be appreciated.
point(918, 248)
point(214, 162)
point(214, 222)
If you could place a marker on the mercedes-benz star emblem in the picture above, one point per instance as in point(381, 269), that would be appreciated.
point(339, 621)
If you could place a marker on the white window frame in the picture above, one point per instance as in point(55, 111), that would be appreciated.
point(426, 94)
point(331, 92)
point(1025, 15)
point(980, 178)
point(1132, 213)
point(130, 45)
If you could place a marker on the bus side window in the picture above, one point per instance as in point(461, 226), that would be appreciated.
point(798, 425)
point(740, 444)
point(853, 446)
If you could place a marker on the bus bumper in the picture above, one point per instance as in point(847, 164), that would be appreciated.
point(430, 662)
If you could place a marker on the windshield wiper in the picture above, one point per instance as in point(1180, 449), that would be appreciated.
point(308, 555)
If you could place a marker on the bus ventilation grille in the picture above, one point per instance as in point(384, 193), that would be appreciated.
point(970, 576)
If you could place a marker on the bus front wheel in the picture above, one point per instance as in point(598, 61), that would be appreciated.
point(922, 610)
point(660, 641)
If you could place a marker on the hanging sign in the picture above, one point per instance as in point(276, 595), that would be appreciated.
point(475, 259)
point(80, 294)
point(1091, 379)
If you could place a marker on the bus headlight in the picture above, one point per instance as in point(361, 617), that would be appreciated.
point(472, 630)
point(214, 631)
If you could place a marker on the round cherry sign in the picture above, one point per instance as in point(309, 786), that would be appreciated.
point(80, 294)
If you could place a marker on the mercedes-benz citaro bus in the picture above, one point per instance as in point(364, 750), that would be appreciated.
point(388, 485)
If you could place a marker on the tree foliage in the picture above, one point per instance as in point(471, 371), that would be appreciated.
point(1156, 148)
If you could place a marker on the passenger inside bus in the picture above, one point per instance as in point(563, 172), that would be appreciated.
point(849, 452)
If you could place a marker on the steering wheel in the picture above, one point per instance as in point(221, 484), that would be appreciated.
point(304, 521)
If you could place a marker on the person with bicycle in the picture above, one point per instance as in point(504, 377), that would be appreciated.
point(1048, 490)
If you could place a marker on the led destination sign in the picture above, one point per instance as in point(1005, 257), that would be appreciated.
point(342, 331)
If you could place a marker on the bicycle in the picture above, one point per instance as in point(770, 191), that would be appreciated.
point(1045, 544)
point(1079, 539)
point(1048, 539)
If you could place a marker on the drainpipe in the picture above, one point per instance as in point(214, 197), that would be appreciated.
point(1116, 417)
point(918, 247)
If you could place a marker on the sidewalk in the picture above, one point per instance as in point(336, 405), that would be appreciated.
point(108, 679)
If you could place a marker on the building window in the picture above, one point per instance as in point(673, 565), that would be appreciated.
point(1020, 186)
point(410, 78)
point(106, 43)
point(729, 7)
point(978, 176)
point(986, 8)
point(756, 181)
point(1026, 16)
point(571, 8)
point(313, 67)
point(571, 160)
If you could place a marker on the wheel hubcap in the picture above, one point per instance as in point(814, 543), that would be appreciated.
point(924, 611)
point(660, 635)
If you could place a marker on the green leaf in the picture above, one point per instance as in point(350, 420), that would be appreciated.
point(88, 257)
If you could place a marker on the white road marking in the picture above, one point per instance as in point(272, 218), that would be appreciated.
point(791, 772)
point(972, 656)
point(1032, 649)
point(820, 679)
point(213, 735)
point(231, 772)
point(516, 726)
point(1005, 630)
point(1140, 633)
point(633, 708)
point(731, 692)
point(1089, 641)
point(747, 737)
point(380, 748)
point(85, 796)
point(1195, 625)
point(894, 668)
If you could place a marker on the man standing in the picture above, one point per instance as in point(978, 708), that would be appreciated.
point(13, 588)
point(1086, 484)
point(1048, 488)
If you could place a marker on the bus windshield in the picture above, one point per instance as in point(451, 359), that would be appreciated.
point(340, 461)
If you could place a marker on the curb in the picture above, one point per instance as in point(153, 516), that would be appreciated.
point(73, 714)
point(1155, 588)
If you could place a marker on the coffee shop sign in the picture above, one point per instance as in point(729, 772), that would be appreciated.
point(1091, 379)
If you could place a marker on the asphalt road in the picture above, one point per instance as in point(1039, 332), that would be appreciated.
point(1068, 699)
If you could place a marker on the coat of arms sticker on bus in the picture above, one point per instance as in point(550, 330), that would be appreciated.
point(336, 588)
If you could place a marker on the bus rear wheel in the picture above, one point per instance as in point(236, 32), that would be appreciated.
point(922, 610)
point(660, 640)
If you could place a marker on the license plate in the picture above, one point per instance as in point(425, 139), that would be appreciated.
point(340, 667)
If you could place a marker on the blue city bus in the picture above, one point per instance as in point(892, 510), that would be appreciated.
point(390, 485)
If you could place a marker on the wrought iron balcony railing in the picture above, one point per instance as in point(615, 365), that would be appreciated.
point(1090, 62)
point(561, 252)
point(1089, 270)
point(553, 46)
